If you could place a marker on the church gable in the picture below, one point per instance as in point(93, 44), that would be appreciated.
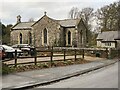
point(82, 33)
point(52, 29)
point(45, 21)
point(20, 32)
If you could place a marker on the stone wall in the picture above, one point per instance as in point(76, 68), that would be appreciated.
point(15, 36)
point(53, 32)
point(82, 35)
point(56, 34)
point(73, 36)
point(118, 44)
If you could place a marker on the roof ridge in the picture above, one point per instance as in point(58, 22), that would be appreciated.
point(67, 19)
point(47, 17)
point(28, 22)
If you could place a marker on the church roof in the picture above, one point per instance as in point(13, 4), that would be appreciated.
point(23, 25)
point(109, 36)
point(63, 23)
point(69, 22)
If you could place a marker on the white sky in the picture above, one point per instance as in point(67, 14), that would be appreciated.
point(9, 9)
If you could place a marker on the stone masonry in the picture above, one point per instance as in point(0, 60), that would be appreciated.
point(50, 32)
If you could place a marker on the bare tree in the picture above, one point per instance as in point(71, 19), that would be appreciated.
point(73, 13)
point(108, 17)
point(86, 14)
point(31, 20)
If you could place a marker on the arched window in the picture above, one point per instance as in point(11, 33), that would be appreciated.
point(69, 38)
point(20, 38)
point(30, 38)
point(45, 36)
point(81, 36)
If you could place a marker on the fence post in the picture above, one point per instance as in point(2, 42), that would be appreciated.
point(51, 58)
point(83, 53)
point(15, 58)
point(64, 53)
point(75, 54)
point(35, 56)
point(106, 52)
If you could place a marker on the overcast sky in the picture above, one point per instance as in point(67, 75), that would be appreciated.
point(9, 9)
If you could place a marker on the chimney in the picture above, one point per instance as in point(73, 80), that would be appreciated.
point(45, 13)
point(18, 19)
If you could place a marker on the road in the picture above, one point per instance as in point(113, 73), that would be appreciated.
point(103, 78)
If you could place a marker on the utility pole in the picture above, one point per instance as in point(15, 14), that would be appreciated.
point(0, 32)
point(119, 15)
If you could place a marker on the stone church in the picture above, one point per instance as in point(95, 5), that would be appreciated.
point(50, 32)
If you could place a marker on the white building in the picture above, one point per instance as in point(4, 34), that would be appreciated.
point(109, 39)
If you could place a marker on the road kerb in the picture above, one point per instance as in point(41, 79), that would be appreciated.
point(34, 84)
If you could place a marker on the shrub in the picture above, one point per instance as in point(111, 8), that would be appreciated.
point(5, 69)
point(45, 65)
point(70, 62)
point(65, 62)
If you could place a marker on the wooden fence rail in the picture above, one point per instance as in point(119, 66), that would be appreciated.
point(52, 50)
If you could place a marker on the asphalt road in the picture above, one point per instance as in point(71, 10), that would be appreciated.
point(103, 78)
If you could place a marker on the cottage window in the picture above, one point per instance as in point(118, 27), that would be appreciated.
point(69, 37)
point(107, 44)
point(45, 36)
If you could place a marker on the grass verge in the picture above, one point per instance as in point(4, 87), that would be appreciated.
point(21, 68)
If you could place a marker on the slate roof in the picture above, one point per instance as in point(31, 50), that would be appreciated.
point(63, 23)
point(109, 36)
point(69, 22)
point(23, 25)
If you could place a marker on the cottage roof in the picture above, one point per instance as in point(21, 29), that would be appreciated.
point(23, 25)
point(109, 36)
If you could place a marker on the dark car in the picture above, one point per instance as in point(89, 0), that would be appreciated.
point(10, 52)
point(2, 53)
